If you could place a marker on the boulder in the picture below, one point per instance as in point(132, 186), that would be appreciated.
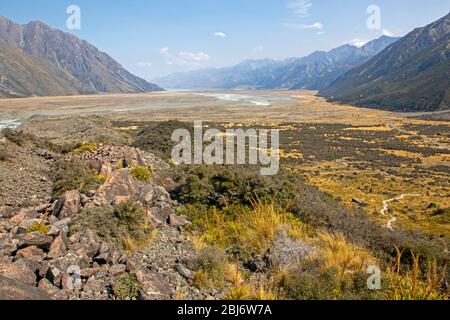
point(19, 271)
point(34, 239)
point(120, 184)
point(359, 202)
point(106, 169)
point(13, 289)
point(68, 205)
point(257, 264)
point(59, 247)
point(6, 212)
point(153, 286)
point(31, 253)
point(45, 285)
point(85, 242)
point(23, 215)
point(287, 252)
point(117, 270)
point(185, 272)
point(178, 221)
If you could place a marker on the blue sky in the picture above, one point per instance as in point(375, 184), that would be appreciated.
point(157, 37)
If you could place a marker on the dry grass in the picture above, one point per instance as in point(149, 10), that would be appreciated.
point(252, 231)
point(412, 284)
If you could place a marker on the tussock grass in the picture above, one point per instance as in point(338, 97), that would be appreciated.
point(413, 284)
point(252, 230)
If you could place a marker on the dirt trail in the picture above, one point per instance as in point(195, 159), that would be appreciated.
point(385, 210)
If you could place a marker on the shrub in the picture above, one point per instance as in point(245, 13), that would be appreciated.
point(38, 227)
point(141, 173)
point(85, 147)
point(251, 230)
point(126, 286)
point(75, 175)
point(156, 137)
point(21, 138)
point(209, 267)
point(309, 286)
point(124, 224)
point(4, 155)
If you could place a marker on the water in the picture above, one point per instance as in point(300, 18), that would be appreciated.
point(256, 100)
point(11, 124)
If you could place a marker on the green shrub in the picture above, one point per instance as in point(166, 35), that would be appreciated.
point(156, 137)
point(38, 227)
point(125, 286)
point(121, 224)
point(310, 286)
point(209, 267)
point(20, 138)
point(75, 175)
point(86, 147)
point(141, 173)
point(4, 155)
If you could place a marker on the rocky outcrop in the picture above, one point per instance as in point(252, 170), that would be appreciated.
point(41, 257)
point(13, 289)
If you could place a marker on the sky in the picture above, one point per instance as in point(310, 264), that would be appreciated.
point(153, 38)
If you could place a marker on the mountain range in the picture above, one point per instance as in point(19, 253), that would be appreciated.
point(410, 75)
point(314, 72)
point(38, 60)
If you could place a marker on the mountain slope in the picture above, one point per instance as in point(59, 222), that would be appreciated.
point(411, 75)
point(96, 70)
point(22, 75)
point(314, 72)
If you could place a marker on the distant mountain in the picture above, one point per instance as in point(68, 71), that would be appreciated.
point(410, 75)
point(75, 60)
point(314, 72)
point(22, 75)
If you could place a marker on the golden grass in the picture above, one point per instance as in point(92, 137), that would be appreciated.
point(253, 231)
point(412, 284)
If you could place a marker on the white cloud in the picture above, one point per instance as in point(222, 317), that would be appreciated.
point(386, 32)
point(358, 42)
point(301, 7)
point(258, 49)
point(220, 34)
point(184, 58)
point(144, 64)
point(299, 26)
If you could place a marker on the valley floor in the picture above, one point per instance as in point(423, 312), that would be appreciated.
point(394, 167)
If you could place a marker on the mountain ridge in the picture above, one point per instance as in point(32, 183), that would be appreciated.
point(94, 69)
point(314, 71)
point(411, 75)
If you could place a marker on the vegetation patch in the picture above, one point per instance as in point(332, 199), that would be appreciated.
point(126, 287)
point(142, 173)
point(75, 175)
point(124, 224)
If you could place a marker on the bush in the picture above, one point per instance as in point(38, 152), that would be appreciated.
point(126, 286)
point(75, 175)
point(38, 227)
point(21, 139)
point(156, 138)
point(85, 147)
point(209, 267)
point(124, 224)
point(141, 173)
point(310, 286)
point(205, 187)
point(4, 155)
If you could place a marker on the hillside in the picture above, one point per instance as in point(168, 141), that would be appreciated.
point(314, 72)
point(85, 68)
point(411, 75)
point(23, 75)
